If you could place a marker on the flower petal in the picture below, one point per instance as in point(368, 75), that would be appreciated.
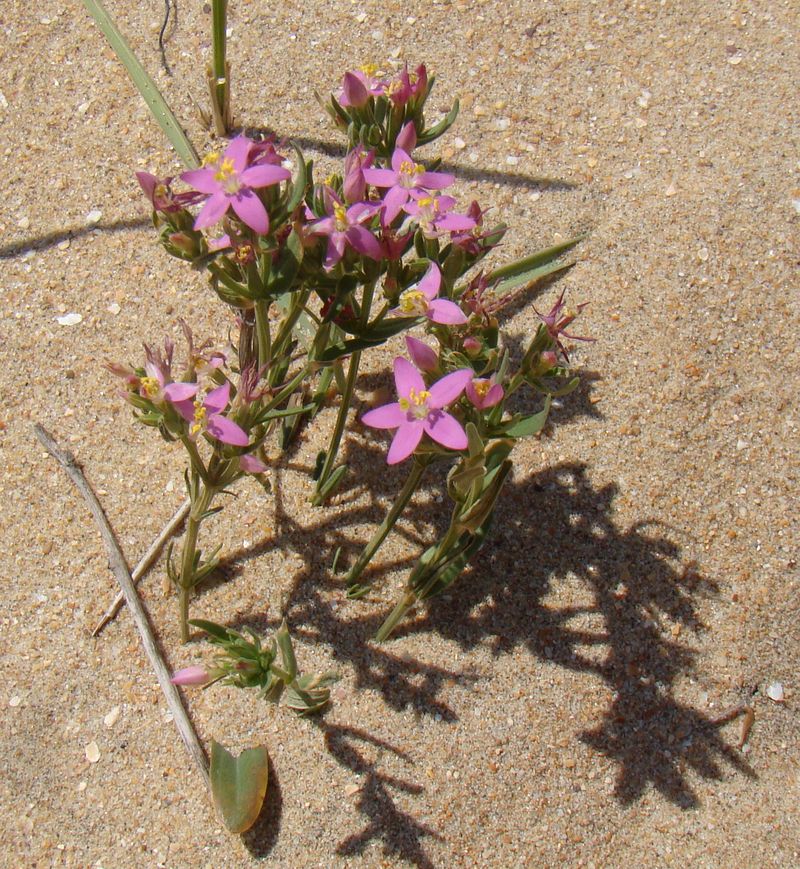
point(435, 180)
point(202, 180)
point(181, 391)
point(405, 441)
point(423, 356)
point(386, 416)
point(399, 157)
point(446, 430)
point(380, 177)
point(238, 151)
point(447, 312)
point(264, 175)
point(364, 242)
point(448, 389)
point(251, 464)
point(407, 138)
point(190, 676)
point(431, 282)
point(393, 203)
point(251, 210)
point(226, 430)
point(218, 398)
point(406, 378)
point(213, 211)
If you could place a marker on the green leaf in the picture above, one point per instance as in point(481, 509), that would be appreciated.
point(532, 262)
point(239, 785)
point(384, 329)
point(442, 127)
point(211, 628)
point(145, 85)
point(530, 425)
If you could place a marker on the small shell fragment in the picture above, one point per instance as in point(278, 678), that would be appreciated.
point(112, 717)
point(92, 752)
point(69, 320)
point(775, 692)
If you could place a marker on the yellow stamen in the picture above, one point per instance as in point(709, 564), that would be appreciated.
point(200, 414)
point(413, 302)
point(481, 387)
point(340, 216)
point(416, 402)
point(211, 159)
point(409, 168)
point(227, 176)
point(149, 387)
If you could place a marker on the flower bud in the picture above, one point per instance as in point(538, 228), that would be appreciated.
point(191, 676)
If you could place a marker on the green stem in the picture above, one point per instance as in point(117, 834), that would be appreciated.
point(396, 616)
point(220, 94)
point(386, 526)
point(341, 419)
point(263, 333)
point(205, 495)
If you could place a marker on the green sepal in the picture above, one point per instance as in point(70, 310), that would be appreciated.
point(527, 425)
point(284, 271)
point(287, 652)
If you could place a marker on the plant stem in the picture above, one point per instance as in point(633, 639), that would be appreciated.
point(386, 526)
point(396, 616)
point(219, 85)
point(341, 419)
point(200, 504)
point(263, 333)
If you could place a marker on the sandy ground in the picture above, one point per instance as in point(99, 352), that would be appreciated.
point(559, 708)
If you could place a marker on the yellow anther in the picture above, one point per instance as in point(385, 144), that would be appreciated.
point(409, 167)
point(211, 159)
point(149, 386)
point(481, 387)
point(371, 69)
point(413, 302)
point(340, 216)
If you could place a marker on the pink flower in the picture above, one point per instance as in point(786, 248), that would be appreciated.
point(344, 226)
point(231, 183)
point(159, 192)
point(404, 177)
point(419, 411)
point(421, 301)
point(251, 464)
point(206, 416)
point(484, 392)
point(361, 84)
point(556, 321)
point(191, 676)
point(407, 85)
point(407, 138)
point(431, 213)
point(355, 185)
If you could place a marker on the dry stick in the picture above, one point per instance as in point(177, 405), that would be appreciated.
point(120, 568)
point(146, 562)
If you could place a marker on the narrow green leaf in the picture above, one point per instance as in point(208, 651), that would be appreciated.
point(534, 260)
point(211, 628)
point(239, 785)
point(442, 127)
point(145, 85)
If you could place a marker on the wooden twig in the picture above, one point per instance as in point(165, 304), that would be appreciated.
point(146, 562)
point(120, 569)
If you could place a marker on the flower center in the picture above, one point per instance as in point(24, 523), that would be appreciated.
point(200, 414)
point(416, 403)
point(227, 177)
point(408, 172)
point(481, 387)
point(413, 303)
point(149, 387)
point(340, 217)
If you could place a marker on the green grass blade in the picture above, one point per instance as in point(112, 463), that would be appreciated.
point(145, 85)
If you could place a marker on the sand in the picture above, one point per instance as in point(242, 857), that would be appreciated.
point(562, 706)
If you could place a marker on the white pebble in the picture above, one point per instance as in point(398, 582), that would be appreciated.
point(15, 700)
point(69, 320)
point(512, 160)
point(24, 222)
point(114, 308)
point(92, 752)
point(93, 216)
point(461, 144)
